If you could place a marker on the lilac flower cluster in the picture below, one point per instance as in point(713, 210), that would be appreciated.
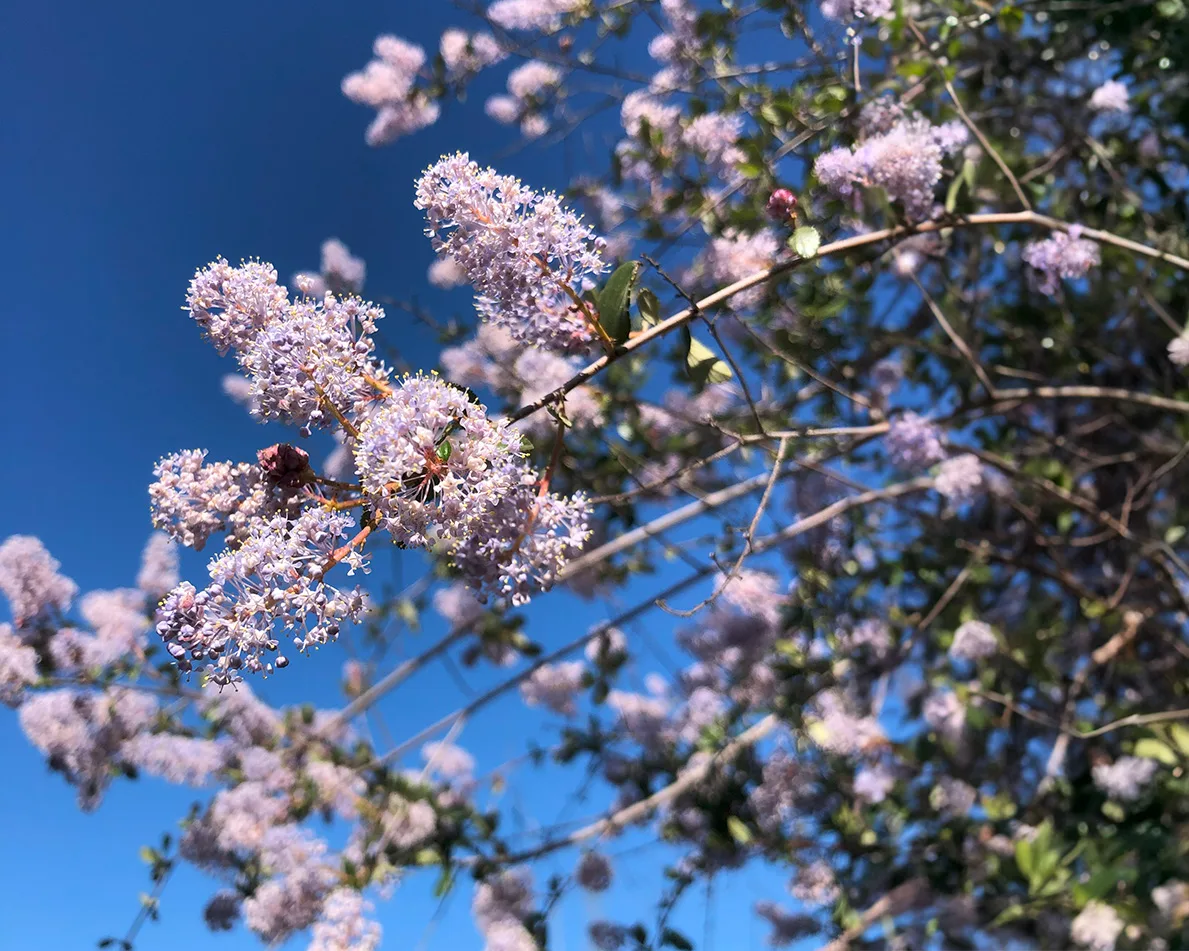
point(555, 687)
point(464, 54)
point(960, 479)
point(528, 87)
point(1178, 350)
point(734, 255)
point(388, 85)
point(1097, 927)
point(159, 566)
point(526, 255)
point(974, 641)
point(1061, 256)
point(540, 15)
point(593, 872)
point(906, 161)
point(1125, 779)
point(846, 10)
point(30, 581)
point(342, 925)
point(1111, 96)
point(945, 715)
point(499, 907)
point(18, 666)
point(913, 443)
point(713, 135)
point(341, 273)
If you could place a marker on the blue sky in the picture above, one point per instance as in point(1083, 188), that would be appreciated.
point(142, 140)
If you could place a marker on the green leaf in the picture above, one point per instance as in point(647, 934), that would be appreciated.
point(649, 307)
point(1099, 883)
point(704, 365)
point(1151, 748)
point(444, 883)
point(805, 241)
point(1179, 734)
point(1024, 857)
point(738, 829)
point(148, 855)
point(675, 939)
point(613, 301)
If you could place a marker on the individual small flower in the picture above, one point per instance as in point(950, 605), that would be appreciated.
point(1111, 96)
point(342, 273)
point(593, 872)
point(974, 640)
point(1097, 926)
point(1125, 779)
point(781, 205)
point(184, 760)
point(945, 714)
point(388, 85)
point(431, 462)
point(464, 54)
point(1061, 256)
point(786, 927)
point(846, 10)
point(342, 925)
point(18, 666)
point(555, 687)
point(527, 256)
point(158, 566)
point(1178, 351)
point(538, 15)
point(872, 784)
point(233, 304)
point(815, 884)
point(913, 443)
point(960, 479)
point(29, 579)
point(445, 273)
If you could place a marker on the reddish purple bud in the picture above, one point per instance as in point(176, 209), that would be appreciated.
point(285, 464)
point(782, 205)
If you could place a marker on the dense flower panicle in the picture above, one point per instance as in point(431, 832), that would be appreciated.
point(815, 884)
point(293, 898)
point(643, 718)
point(432, 463)
point(842, 731)
point(913, 443)
point(388, 85)
point(222, 911)
point(945, 714)
point(464, 54)
point(593, 872)
point(734, 255)
point(905, 161)
point(974, 640)
point(274, 578)
point(18, 666)
point(1061, 256)
point(846, 10)
point(642, 110)
point(119, 621)
point(1097, 927)
point(505, 897)
point(872, 784)
point(713, 135)
point(339, 787)
point(458, 605)
point(538, 15)
point(1178, 351)
point(242, 715)
point(30, 581)
point(754, 592)
point(342, 273)
point(233, 304)
point(408, 824)
point(786, 927)
point(342, 925)
point(451, 762)
point(528, 86)
point(555, 687)
point(1111, 96)
point(524, 253)
point(960, 479)
point(158, 566)
point(679, 44)
point(184, 760)
point(774, 799)
point(445, 273)
point(1126, 778)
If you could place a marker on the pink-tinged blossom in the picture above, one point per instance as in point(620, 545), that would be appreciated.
point(458, 605)
point(1178, 351)
point(870, 633)
point(18, 666)
point(29, 579)
point(222, 911)
point(945, 715)
point(339, 787)
point(555, 687)
point(241, 817)
point(905, 161)
point(388, 85)
point(774, 799)
point(464, 54)
point(607, 936)
point(342, 273)
point(680, 39)
point(242, 715)
point(641, 109)
point(838, 729)
point(342, 926)
point(1125, 779)
point(844, 11)
point(233, 304)
point(913, 443)
point(158, 566)
point(186, 761)
point(815, 884)
point(713, 136)
point(960, 479)
point(786, 926)
point(407, 824)
point(446, 274)
point(873, 783)
point(974, 640)
point(238, 389)
point(1097, 927)
point(530, 78)
point(1111, 96)
point(593, 872)
point(451, 762)
point(119, 622)
point(734, 255)
point(432, 463)
point(1061, 256)
point(523, 251)
point(781, 205)
point(537, 15)
point(293, 898)
point(610, 644)
point(642, 718)
point(504, 897)
point(265, 767)
point(528, 86)
point(754, 592)
point(538, 373)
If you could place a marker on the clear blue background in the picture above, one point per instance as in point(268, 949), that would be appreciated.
point(138, 141)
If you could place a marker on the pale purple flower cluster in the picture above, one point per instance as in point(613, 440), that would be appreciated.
point(953, 796)
point(158, 566)
point(913, 443)
point(1097, 927)
point(870, 633)
point(840, 730)
point(388, 85)
point(537, 373)
point(640, 109)
point(445, 273)
point(734, 255)
point(451, 762)
point(233, 304)
point(974, 640)
point(1061, 256)
point(713, 135)
point(30, 581)
point(846, 10)
point(500, 905)
point(458, 605)
point(555, 687)
point(960, 479)
point(873, 783)
point(945, 714)
point(680, 39)
point(1126, 778)
point(342, 272)
point(432, 463)
point(815, 884)
point(607, 935)
point(538, 15)
point(1111, 96)
point(464, 54)
point(786, 926)
point(274, 577)
point(593, 872)
point(184, 760)
point(525, 253)
point(222, 911)
point(18, 666)
point(342, 925)
point(528, 87)
point(1178, 351)
point(774, 799)
point(302, 876)
point(905, 161)
point(643, 718)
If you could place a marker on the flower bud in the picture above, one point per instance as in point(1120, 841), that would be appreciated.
point(285, 464)
point(782, 205)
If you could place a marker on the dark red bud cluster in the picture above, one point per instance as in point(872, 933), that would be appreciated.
point(782, 205)
point(284, 464)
